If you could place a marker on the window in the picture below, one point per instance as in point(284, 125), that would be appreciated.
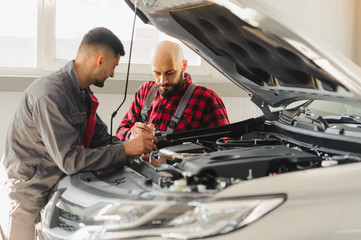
point(74, 18)
point(39, 36)
point(18, 33)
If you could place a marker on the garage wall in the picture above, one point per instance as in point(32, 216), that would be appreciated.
point(333, 21)
point(358, 34)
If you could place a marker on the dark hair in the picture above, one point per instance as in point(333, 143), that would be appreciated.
point(101, 35)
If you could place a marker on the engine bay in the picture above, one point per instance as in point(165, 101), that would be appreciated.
point(212, 159)
point(208, 160)
point(197, 167)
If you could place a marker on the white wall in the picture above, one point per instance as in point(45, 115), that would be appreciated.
point(331, 20)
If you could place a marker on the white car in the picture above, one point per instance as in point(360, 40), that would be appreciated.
point(293, 173)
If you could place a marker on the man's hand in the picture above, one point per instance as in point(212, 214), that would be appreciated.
point(140, 129)
point(145, 143)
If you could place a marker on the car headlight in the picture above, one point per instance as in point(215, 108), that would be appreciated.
point(187, 218)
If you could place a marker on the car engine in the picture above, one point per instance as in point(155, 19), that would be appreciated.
point(212, 159)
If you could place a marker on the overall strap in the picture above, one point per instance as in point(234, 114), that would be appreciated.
point(182, 105)
point(148, 100)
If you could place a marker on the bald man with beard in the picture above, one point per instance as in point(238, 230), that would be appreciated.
point(204, 108)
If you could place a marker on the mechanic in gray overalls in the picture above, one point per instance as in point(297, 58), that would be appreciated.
point(55, 131)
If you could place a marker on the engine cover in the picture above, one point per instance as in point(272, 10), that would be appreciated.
point(249, 162)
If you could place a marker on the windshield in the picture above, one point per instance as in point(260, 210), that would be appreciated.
point(325, 108)
point(322, 114)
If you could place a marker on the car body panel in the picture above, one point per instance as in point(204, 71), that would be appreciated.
point(321, 204)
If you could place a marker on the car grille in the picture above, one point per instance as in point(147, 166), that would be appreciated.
point(69, 215)
point(68, 221)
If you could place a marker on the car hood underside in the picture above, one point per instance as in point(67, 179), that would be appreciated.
point(246, 42)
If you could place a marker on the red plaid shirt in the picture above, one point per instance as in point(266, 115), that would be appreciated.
point(205, 109)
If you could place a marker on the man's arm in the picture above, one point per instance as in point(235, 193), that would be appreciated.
point(217, 113)
point(124, 130)
point(62, 139)
point(134, 114)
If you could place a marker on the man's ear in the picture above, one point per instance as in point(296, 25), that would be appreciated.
point(100, 60)
point(185, 64)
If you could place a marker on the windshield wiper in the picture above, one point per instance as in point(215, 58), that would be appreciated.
point(296, 111)
point(303, 109)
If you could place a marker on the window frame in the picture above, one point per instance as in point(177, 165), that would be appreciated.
point(48, 63)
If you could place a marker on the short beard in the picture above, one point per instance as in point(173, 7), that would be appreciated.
point(176, 87)
point(169, 93)
point(99, 84)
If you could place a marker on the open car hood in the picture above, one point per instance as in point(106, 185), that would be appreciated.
point(258, 49)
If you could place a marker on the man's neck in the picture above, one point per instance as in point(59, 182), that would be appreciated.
point(82, 77)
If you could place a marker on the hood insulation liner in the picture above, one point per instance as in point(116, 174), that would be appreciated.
point(243, 50)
